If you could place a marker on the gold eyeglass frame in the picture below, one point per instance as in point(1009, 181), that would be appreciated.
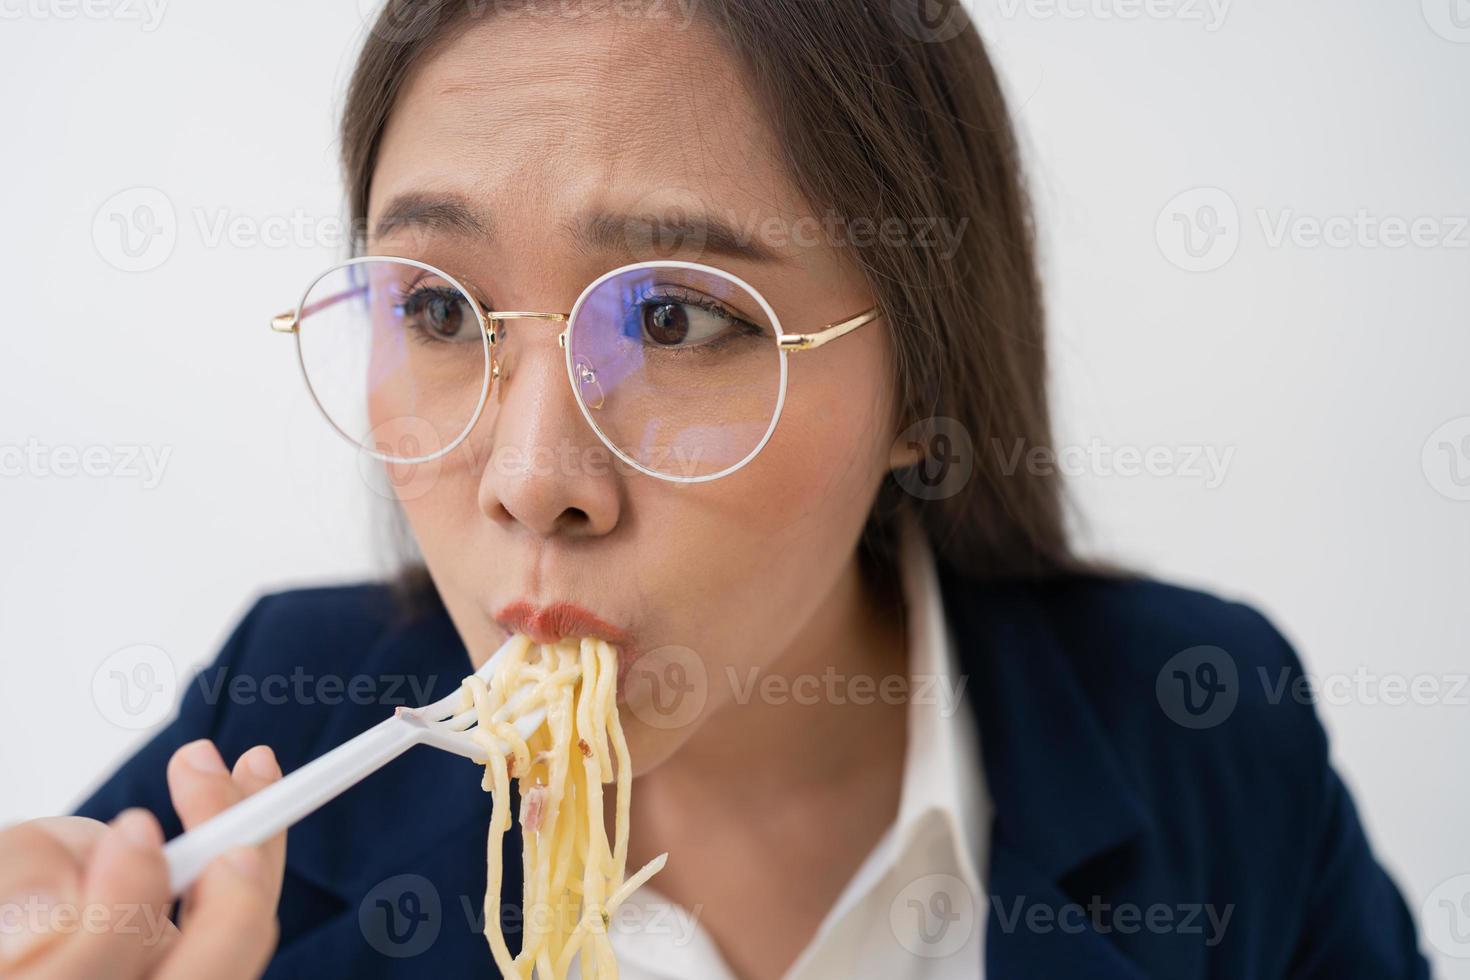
point(490, 327)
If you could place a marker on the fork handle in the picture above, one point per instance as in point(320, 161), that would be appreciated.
point(264, 814)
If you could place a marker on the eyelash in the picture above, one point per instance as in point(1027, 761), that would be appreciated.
point(665, 294)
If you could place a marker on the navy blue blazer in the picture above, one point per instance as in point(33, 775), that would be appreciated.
point(1163, 805)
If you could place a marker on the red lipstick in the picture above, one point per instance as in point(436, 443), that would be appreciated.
point(548, 624)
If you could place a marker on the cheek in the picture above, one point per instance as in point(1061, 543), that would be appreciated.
point(439, 499)
point(830, 450)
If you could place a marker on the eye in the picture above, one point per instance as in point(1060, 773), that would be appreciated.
point(440, 313)
point(683, 321)
point(676, 324)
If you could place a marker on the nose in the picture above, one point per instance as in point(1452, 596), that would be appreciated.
point(548, 472)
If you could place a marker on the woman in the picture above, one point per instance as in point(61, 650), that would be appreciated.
point(882, 721)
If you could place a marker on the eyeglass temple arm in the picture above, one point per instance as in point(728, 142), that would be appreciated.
point(290, 321)
point(811, 341)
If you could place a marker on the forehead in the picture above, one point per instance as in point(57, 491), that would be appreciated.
point(539, 118)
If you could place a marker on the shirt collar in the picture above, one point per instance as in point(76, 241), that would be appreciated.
point(942, 773)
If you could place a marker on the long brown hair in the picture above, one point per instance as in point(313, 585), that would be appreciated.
point(883, 111)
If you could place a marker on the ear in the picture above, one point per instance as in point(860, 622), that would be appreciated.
point(906, 450)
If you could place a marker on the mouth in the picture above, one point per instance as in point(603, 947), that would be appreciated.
point(561, 620)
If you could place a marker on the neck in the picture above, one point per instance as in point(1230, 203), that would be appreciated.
point(824, 721)
point(751, 797)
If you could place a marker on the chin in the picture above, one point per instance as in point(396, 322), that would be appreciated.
point(648, 747)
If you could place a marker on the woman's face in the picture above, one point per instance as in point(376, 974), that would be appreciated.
point(506, 140)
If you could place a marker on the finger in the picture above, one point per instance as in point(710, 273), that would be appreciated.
point(121, 918)
point(254, 771)
point(78, 834)
point(199, 783)
point(40, 879)
point(232, 926)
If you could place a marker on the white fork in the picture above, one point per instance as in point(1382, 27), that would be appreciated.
point(443, 724)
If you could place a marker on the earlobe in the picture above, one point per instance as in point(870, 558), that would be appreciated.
point(905, 452)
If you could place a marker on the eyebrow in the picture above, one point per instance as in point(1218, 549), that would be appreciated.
point(595, 231)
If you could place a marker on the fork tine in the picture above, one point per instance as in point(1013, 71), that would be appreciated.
point(451, 704)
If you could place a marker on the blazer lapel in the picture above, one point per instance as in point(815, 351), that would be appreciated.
point(1060, 798)
point(397, 863)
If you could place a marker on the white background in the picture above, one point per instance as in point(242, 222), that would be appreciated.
point(1323, 370)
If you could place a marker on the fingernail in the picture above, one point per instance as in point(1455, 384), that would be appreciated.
point(261, 762)
point(139, 828)
point(26, 926)
point(246, 861)
point(203, 757)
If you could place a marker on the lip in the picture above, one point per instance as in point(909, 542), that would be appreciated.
point(554, 622)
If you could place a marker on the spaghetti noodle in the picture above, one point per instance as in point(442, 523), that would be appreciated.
point(574, 877)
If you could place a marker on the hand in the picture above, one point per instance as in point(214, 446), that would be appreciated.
point(84, 899)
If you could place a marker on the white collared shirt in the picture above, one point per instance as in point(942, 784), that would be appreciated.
point(915, 908)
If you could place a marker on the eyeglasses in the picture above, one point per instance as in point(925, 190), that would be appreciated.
point(679, 368)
